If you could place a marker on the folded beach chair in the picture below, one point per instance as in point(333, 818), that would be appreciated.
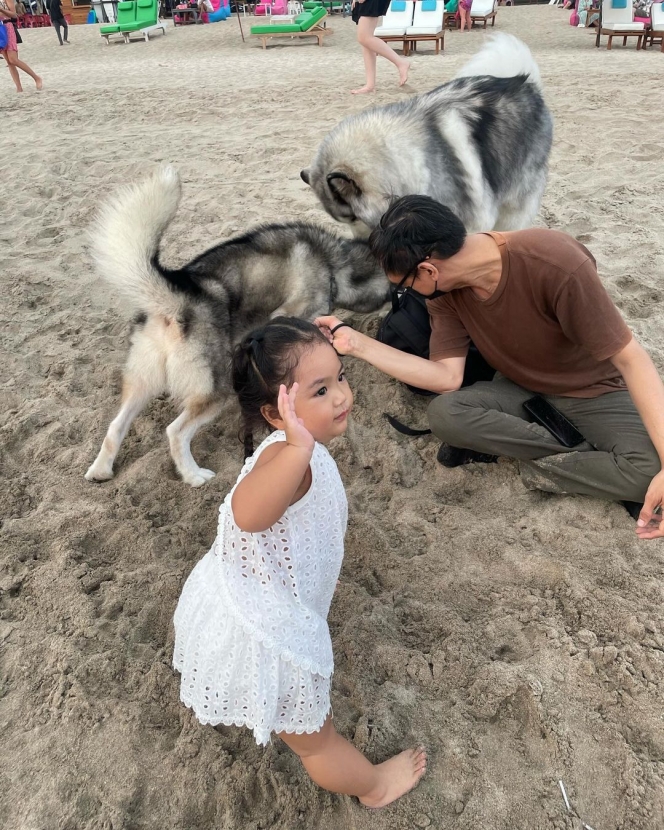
point(427, 25)
point(656, 29)
point(398, 18)
point(307, 24)
point(483, 11)
point(617, 20)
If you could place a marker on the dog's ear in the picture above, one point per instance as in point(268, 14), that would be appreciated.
point(342, 186)
point(304, 175)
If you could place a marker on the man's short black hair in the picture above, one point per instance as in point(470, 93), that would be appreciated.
point(412, 229)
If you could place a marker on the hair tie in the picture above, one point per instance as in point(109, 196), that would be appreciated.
point(338, 326)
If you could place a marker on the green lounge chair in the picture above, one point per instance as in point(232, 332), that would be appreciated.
point(329, 5)
point(126, 14)
point(307, 24)
point(147, 20)
point(134, 16)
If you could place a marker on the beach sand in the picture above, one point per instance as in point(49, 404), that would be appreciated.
point(518, 636)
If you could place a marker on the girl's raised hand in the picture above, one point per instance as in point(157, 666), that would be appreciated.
point(297, 435)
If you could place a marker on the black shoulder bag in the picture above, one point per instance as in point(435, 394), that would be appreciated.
point(407, 327)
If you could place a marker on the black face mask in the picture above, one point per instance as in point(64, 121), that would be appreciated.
point(432, 296)
point(403, 287)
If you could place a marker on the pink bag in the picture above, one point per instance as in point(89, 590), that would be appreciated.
point(574, 19)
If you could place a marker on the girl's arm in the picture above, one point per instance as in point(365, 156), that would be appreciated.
point(281, 474)
point(10, 11)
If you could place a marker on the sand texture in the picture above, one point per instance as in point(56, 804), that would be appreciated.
point(519, 636)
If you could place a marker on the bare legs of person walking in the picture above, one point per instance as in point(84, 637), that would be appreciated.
point(372, 46)
point(14, 64)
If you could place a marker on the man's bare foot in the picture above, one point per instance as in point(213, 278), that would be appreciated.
point(362, 90)
point(39, 83)
point(397, 776)
point(404, 68)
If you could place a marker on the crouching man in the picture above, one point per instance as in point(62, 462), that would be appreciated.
point(534, 306)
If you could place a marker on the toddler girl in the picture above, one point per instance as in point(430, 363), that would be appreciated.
point(464, 13)
point(251, 635)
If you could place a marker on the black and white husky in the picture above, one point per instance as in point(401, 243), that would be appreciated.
point(186, 321)
point(479, 144)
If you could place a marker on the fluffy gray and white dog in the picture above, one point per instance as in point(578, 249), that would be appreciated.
point(479, 144)
point(187, 320)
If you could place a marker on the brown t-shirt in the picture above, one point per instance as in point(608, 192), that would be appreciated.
point(549, 326)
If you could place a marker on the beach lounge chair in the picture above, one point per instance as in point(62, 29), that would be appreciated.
point(427, 25)
point(482, 11)
point(147, 15)
point(330, 6)
point(656, 29)
point(126, 14)
point(617, 20)
point(135, 16)
point(307, 24)
point(398, 18)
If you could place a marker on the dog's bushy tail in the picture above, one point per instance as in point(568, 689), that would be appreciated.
point(125, 242)
point(503, 56)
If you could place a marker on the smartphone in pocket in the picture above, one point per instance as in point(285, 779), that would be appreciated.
point(545, 414)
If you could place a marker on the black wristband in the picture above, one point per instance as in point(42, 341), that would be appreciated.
point(338, 326)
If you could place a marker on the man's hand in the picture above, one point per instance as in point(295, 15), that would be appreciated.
point(650, 524)
point(345, 340)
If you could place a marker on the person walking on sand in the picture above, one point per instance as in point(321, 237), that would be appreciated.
point(58, 20)
point(366, 14)
point(10, 53)
point(251, 637)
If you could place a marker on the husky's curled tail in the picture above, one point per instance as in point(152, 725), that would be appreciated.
point(125, 243)
point(479, 144)
point(187, 320)
point(503, 56)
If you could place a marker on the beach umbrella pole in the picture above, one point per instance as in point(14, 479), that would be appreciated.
point(237, 11)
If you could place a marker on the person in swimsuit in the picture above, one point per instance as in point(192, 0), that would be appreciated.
point(10, 52)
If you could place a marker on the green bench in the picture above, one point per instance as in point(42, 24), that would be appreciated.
point(329, 5)
point(140, 16)
point(307, 24)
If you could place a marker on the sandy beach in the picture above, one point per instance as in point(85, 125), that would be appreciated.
point(519, 636)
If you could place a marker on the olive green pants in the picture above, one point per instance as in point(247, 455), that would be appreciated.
point(616, 462)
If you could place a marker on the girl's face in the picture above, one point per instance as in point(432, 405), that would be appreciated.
point(324, 398)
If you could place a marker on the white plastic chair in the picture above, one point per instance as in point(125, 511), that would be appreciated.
point(656, 29)
point(395, 23)
point(620, 23)
point(427, 23)
point(110, 10)
point(483, 10)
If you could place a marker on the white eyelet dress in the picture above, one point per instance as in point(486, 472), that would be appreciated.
point(251, 635)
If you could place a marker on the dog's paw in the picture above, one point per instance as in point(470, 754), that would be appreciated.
point(197, 478)
point(99, 472)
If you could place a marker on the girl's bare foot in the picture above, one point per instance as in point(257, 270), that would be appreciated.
point(397, 776)
point(362, 90)
point(39, 83)
point(403, 72)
